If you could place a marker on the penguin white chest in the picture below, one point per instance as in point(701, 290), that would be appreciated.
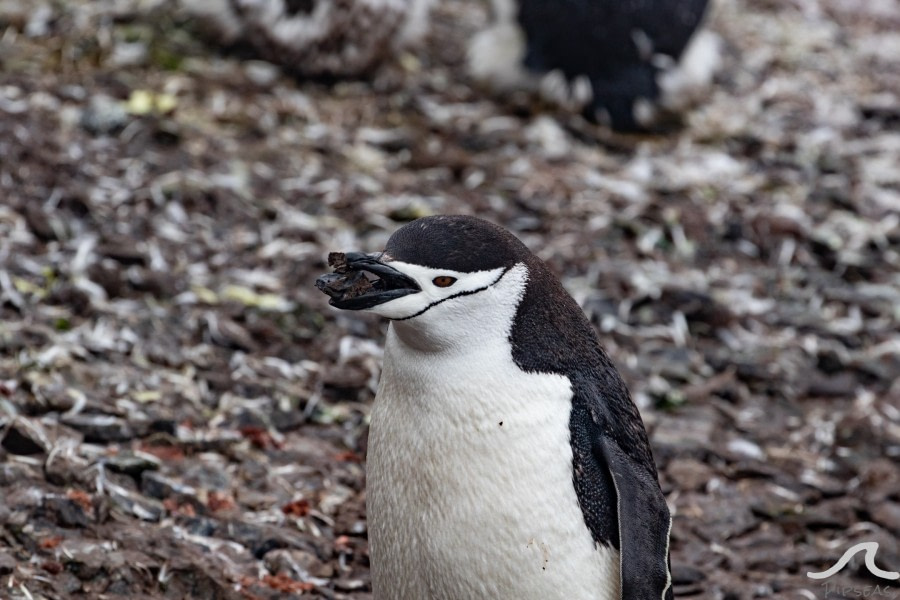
point(470, 482)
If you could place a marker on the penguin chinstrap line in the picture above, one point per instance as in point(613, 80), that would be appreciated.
point(506, 458)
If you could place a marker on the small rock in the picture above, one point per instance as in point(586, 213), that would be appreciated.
point(162, 487)
point(879, 479)
point(255, 500)
point(7, 563)
point(122, 250)
point(887, 514)
point(160, 285)
point(840, 385)
point(299, 564)
point(725, 513)
point(146, 509)
point(261, 73)
point(11, 473)
point(689, 431)
point(349, 585)
point(38, 24)
point(352, 375)
point(68, 513)
point(753, 469)
point(746, 448)
point(228, 333)
point(133, 462)
point(40, 223)
point(108, 275)
point(76, 300)
point(685, 575)
point(287, 420)
point(546, 133)
point(334, 497)
point(202, 526)
point(100, 429)
point(14, 13)
point(828, 486)
point(84, 559)
point(68, 583)
point(689, 474)
point(162, 425)
point(211, 441)
point(195, 582)
point(262, 539)
point(129, 54)
point(25, 437)
point(833, 513)
point(104, 115)
point(66, 465)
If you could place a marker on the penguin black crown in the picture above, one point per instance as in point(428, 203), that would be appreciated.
point(506, 458)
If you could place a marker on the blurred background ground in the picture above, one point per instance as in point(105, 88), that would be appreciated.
point(182, 416)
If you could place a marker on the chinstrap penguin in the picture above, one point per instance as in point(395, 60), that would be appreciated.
point(506, 458)
point(633, 64)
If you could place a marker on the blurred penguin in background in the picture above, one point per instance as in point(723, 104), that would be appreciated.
point(631, 64)
point(315, 38)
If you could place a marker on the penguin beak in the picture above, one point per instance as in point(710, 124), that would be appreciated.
point(350, 288)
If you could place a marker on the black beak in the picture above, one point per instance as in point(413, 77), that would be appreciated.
point(351, 289)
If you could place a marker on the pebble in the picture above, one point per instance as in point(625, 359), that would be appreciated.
point(101, 429)
point(547, 134)
point(688, 431)
point(887, 514)
point(25, 438)
point(146, 509)
point(161, 487)
point(132, 462)
point(689, 474)
point(300, 564)
point(38, 24)
point(85, 559)
point(67, 512)
point(261, 73)
point(7, 562)
point(104, 115)
point(746, 448)
point(686, 575)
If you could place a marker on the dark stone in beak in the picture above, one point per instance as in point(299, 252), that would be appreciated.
point(350, 288)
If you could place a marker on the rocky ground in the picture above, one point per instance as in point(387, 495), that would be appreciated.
point(182, 416)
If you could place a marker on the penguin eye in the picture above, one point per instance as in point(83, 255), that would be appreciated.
point(443, 281)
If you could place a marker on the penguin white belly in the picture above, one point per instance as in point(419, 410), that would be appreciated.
point(470, 489)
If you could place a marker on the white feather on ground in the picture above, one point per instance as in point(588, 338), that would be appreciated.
point(316, 37)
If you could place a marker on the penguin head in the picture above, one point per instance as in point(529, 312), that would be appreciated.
point(449, 275)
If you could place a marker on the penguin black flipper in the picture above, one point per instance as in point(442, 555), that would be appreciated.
point(643, 513)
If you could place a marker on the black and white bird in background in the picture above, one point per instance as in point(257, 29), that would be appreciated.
point(315, 38)
point(506, 458)
point(627, 63)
